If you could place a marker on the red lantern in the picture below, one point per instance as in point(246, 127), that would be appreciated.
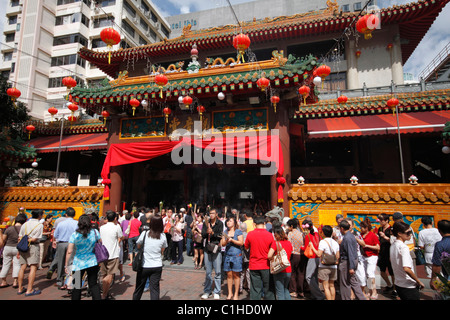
point(275, 100)
point(323, 71)
point(105, 115)
point(161, 80)
point(200, 110)
point(52, 111)
point(393, 103)
point(304, 91)
point(72, 107)
point(342, 99)
point(72, 118)
point(134, 103)
point(263, 83)
point(30, 128)
point(110, 37)
point(69, 82)
point(241, 42)
point(357, 53)
point(187, 101)
point(14, 93)
point(167, 111)
point(367, 24)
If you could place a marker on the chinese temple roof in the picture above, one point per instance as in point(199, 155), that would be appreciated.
point(372, 193)
point(409, 102)
point(15, 150)
point(414, 20)
point(228, 75)
point(77, 127)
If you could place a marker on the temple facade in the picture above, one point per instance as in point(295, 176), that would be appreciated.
point(232, 144)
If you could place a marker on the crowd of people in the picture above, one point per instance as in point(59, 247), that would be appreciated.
point(324, 262)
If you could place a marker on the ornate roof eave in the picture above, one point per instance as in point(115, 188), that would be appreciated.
point(414, 20)
point(215, 77)
point(409, 102)
point(50, 128)
point(432, 193)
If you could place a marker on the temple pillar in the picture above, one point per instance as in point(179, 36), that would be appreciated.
point(397, 67)
point(115, 193)
point(282, 125)
point(352, 66)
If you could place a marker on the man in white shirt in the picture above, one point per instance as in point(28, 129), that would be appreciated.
point(33, 229)
point(111, 235)
point(427, 239)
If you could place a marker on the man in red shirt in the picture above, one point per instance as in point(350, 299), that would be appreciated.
point(259, 242)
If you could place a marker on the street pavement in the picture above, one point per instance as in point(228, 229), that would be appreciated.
point(179, 282)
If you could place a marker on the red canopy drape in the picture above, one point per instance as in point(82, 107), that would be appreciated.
point(253, 147)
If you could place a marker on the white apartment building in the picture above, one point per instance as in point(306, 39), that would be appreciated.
point(41, 39)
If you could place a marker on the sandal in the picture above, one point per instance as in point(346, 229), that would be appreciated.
point(374, 297)
point(33, 293)
point(22, 292)
point(122, 279)
point(5, 286)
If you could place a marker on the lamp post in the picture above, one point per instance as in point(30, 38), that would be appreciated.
point(400, 145)
point(59, 150)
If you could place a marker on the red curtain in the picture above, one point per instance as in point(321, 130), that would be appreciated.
point(257, 147)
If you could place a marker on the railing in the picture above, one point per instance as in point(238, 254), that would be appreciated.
point(422, 86)
point(432, 66)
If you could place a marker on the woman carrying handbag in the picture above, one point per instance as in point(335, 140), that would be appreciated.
point(154, 242)
point(311, 275)
point(282, 278)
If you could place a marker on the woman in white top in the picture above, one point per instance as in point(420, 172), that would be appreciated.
point(407, 283)
point(154, 242)
point(327, 273)
point(428, 237)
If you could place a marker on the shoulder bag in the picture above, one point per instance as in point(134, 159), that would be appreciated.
point(24, 243)
point(138, 260)
point(309, 253)
point(328, 259)
point(101, 253)
point(279, 261)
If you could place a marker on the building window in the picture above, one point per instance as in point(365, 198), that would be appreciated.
point(57, 82)
point(346, 8)
point(357, 6)
point(165, 31)
point(12, 20)
point(129, 9)
point(15, 3)
point(142, 41)
point(9, 37)
point(124, 45)
point(69, 59)
point(106, 3)
point(154, 17)
point(4, 74)
point(7, 56)
point(152, 34)
point(128, 28)
point(103, 22)
point(98, 43)
point(144, 7)
point(143, 24)
point(72, 18)
point(71, 38)
point(62, 2)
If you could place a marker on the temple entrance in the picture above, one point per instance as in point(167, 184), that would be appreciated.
point(235, 186)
